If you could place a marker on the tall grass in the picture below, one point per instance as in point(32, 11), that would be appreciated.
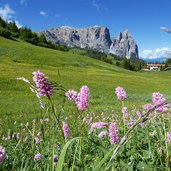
point(143, 140)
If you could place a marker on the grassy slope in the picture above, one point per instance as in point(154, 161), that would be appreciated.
point(21, 59)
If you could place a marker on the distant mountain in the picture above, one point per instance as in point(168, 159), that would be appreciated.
point(96, 38)
point(155, 60)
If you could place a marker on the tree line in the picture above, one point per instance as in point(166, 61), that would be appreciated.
point(10, 30)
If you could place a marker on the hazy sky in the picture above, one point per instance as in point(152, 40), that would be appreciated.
point(149, 21)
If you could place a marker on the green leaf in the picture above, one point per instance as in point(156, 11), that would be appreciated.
point(126, 166)
point(102, 148)
point(106, 157)
point(63, 152)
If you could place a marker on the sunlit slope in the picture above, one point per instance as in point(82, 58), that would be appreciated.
point(19, 58)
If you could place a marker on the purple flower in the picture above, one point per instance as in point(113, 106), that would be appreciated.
point(148, 106)
point(98, 125)
point(37, 157)
point(42, 83)
point(72, 95)
point(83, 98)
point(125, 113)
point(121, 93)
point(103, 134)
point(159, 100)
point(169, 137)
point(26, 139)
point(113, 133)
point(18, 136)
point(55, 160)
point(37, 140)
point(131, 121)
point(2, 154)
point(66, 130)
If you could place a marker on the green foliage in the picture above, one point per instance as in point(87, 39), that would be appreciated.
point(10, 30)
point(11, 26)
point(2, 23)
point(5, 33)
point(131, 64)
point(96, 54)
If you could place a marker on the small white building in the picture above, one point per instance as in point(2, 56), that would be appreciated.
point(155, 67)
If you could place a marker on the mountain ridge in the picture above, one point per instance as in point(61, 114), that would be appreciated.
point(96, 38)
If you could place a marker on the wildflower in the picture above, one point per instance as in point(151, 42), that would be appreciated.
point(121, 93)
point(14, 135)
point(113, 133)
point(41, 120)
point(148, 106)
point(169, 137)
point(47, 120)
point(139, 116)
point(98, 125)
point(83, 98)
point(18, 136)
point(2, 154)
point(55, 160)
point(159, 100)
point(66, 130)
point(103, 134)
point(42, 83)
point(25, 139)
point(39, 134)
point(131, 121)
point(37, 140)
point(37, 157)
point(72, 95)
point(125, 113)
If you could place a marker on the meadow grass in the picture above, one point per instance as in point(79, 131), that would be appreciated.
point(18, 58)
point(143, 148)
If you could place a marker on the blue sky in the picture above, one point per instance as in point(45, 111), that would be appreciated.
point(148, 20)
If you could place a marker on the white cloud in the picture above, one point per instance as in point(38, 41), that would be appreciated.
point(43, 13)
point(6, 12)
point(166, 29)
point(157, 53)
point(9, 15)
point(18, 24)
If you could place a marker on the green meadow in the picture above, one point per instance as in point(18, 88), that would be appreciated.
point(72, 70)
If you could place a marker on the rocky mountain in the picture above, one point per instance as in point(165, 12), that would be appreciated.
point(124, 45)
point(97, 38)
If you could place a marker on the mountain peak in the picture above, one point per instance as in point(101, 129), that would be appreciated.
point(95, 37)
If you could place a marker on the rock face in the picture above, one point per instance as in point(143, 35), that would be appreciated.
point(97, 38)
point(124, 46)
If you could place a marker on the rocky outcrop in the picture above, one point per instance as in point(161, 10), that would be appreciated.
point(124, 46)
point(97, 38)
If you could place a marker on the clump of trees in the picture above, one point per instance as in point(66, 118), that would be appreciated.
point(10, 30)
point(98, 55)
point(131, 64)
point(167, 65)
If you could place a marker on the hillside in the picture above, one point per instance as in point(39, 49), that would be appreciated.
point(18, 58)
